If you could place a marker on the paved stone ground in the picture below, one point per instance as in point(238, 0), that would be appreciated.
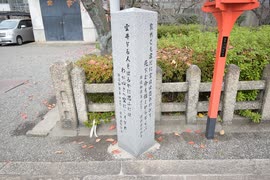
point(46, 157)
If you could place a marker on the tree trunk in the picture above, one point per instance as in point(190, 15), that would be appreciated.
point(98, 16)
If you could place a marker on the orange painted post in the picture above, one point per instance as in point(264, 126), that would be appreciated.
point(226, 13)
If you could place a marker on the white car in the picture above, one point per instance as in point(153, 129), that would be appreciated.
point(16, 31)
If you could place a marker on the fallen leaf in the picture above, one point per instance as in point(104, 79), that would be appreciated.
point(150, 156)
point(112, 127)
point(160, 139)
point(84, 146)
point(97, 140)
point(114, 142)
point(158, 132)
point(191, 142)
point(216, 140)
point(188, 131)
point(200, 115)
point(80, 142)
point(222, 132)
point(198, 131)
point(116, 151)
point(91, 62)
point(74, 142)
point(45, 102)
point(202, 146)
point(91, 146)
point(173, 62)
point(176, 134)
point(59, 152)
point(24, 116)
point(30, 98)
point(109, 140)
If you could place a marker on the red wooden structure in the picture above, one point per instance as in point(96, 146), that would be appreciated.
point(226, 13)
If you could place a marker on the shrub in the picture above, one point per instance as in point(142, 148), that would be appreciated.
point(165, 30)
point(98, 69)
point(180, 46)
point(99, 118)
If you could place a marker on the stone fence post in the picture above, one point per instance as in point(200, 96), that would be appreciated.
point(60, 73)
point(192, 96)
point(78, 85)
point(266, 95)
point(158, 94)
point(230, 92)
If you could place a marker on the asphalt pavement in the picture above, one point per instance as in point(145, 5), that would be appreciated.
point(72, 157)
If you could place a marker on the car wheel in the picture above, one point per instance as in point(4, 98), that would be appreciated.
point(19, 40)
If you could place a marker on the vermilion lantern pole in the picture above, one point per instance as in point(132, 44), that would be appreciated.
point(226, 13)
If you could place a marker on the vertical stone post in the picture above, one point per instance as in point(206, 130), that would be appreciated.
point(230, 92)
point(78, 82)
point(60, 73)
point(266, 95)
point(192, 96)
point(134, 42)
point(158, 94)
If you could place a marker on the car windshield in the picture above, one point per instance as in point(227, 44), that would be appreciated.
point(8, 24)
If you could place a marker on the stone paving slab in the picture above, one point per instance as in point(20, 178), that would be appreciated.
point(40, 177)
point(230, 177)
point(61, 168)
point(155, 177)
point(2, 165)
point(143, 169)
point(179, 177)
point(191, 167)
point(126, 178)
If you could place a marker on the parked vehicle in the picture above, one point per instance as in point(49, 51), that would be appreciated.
point(16, 31)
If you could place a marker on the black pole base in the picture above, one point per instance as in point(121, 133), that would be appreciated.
point(210, 128)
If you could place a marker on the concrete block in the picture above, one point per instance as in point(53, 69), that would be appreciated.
point(58, 131)
point(44, 127)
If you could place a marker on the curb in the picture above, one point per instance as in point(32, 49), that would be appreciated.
point(179, 168)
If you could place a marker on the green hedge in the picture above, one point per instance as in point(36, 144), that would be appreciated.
point(180, 46)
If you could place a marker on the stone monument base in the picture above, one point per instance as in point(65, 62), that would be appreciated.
point(120, 153)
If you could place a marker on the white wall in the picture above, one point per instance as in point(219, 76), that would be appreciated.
point(4, 7)
point(89, 30)
point(35, 11)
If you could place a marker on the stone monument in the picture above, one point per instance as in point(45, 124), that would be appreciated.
point(134, 37)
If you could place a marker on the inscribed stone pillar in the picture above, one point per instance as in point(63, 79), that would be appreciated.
point(134, 37)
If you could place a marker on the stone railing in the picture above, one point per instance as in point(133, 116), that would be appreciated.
point(71, 90)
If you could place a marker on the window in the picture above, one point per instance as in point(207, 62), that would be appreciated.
point(22, 23)
point(28, 23)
